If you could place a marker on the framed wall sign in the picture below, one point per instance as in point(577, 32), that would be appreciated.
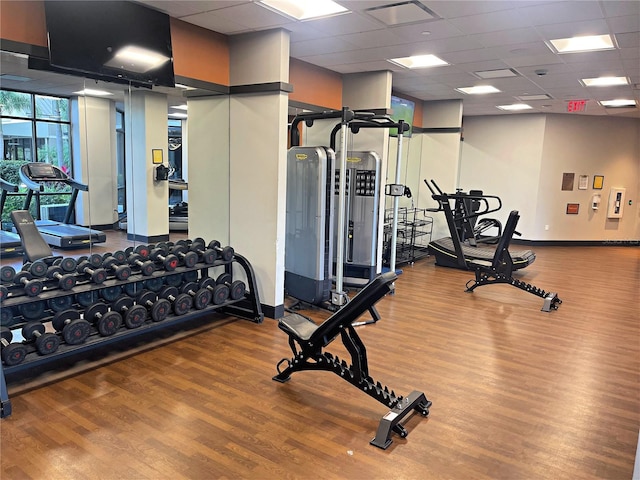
point(598, 182)
point(567, 181)
point(583, 182)
point(573, 208)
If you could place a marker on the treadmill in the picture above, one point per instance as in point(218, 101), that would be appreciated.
point(10, 243)
point(456, 253)
point(57, 234)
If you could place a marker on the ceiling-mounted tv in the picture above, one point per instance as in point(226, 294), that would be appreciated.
point(117, 40)
point(402, 109)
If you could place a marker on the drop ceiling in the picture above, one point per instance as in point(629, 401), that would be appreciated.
point(476, 38)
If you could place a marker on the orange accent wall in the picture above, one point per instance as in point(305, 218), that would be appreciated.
point(23, 21)
point(315, 85)
point(199, 53)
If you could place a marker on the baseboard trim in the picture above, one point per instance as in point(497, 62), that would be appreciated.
point(273, 312)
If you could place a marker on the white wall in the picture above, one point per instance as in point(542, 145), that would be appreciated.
point(521, 158)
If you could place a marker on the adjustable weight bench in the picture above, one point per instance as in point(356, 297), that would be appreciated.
point(307, 341)
point(35, 247)
point(500, 269)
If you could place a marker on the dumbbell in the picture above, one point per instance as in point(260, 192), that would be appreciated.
point(142, 250)
point(6, 317)
point(112, 264)
point(168, 260)
point(182, 302)
point(96, 274)
point(46, 342)
point(146, 266)
point(133, 315)
point(32, 287)
point(66, 281)
point(225, 253)
point(107, 321)
point(111, 293)
point(236, 288)
point(12, 353)
point(119, 255)
point(219, 293)
point(208, 255)
point(32, 310)
point(188, 258)
point(201, 296)
point(159, 308)
point(37, 268)
point(74, 329)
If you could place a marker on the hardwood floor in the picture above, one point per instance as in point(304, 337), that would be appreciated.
point(517, 393)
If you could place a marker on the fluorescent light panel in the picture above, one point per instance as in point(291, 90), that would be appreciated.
point(304, 9)
point(583, 44)
point(418, 61)
point(604, 81)
point(93, 93)
point(618, 103)
point(515, 107)
point(479, 90)
point(500, 73)
point(528, 98)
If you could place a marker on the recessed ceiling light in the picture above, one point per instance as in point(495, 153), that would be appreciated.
point(501, 73)
point(94, 93)
point(582, 44)
point(304, 9)
point(479, 90)
point(539, 96)
point(515, 107)
point(618, 103)
point(180, 107)
point(178, 115)
point(418, 61)
point(604, 81)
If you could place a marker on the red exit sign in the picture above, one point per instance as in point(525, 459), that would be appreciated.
point(576, 106)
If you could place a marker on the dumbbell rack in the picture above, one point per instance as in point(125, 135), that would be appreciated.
point(247, 307)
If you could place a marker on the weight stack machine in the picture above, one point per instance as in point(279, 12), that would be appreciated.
point(362, 215)
point(309, 230)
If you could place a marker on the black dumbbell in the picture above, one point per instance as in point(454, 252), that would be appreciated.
point(225, 253)
point(120, 256)
point(236, 288)
point(121, 272)
point(96, 274)
point(74, 329)
point(4, 293)
point(7, 274)
point(219, 293)
point(168, 260)
point(159, 308)
point(37, 268)
point(142, 250)
point(6, 316)
point(12, 353)
point(182, 302)
point(133, 315)
point(146, 266)
point(111, 293)
point(188, 258)
point(208, 255)
point(201, 296)
point(60, 302)
point(107, 321)
point(66, 281)
point(67, 264)
point(46, 342)
point(32, 310)
point(31, 287)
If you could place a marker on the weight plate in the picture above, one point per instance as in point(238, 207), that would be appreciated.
point(191, 276)
point(86, 298)
point(209, 256)
point(160, 310)
point(57, 304)
point(110, 294)
point(135, 316)
point(33, 288)
point(173, 280)
point(120, 256)
point(38, 268)
point(47, 344)
point(154, 284)
point(224, 278)
point(67, 282)
point(14, 354)
point(109, 324)
point(148, 268)
point(182, 304)
point(237, 289)
point(33, 310)
point(202, 299)
point(190, 259)
point(68, 264)
point(7, 273)
point(76, 332)
point(6, 317)
point(95, 260)
point(220, 294)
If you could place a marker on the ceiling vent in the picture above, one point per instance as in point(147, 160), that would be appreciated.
point(402, 13)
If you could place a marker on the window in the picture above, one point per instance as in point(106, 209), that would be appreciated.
point(33, 128)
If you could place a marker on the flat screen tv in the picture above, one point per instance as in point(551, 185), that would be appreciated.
point(402, 109)
point(117, 40)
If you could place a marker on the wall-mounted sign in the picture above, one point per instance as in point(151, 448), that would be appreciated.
point(576, 106)
point(573, 208)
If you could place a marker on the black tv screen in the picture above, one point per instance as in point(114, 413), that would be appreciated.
point(110, 39)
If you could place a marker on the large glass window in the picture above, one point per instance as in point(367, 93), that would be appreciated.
point(33, 128)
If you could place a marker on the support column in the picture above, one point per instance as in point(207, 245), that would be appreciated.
point(259, 72)
point(147, 200)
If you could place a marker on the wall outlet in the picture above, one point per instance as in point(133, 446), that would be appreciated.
point(546, 227)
